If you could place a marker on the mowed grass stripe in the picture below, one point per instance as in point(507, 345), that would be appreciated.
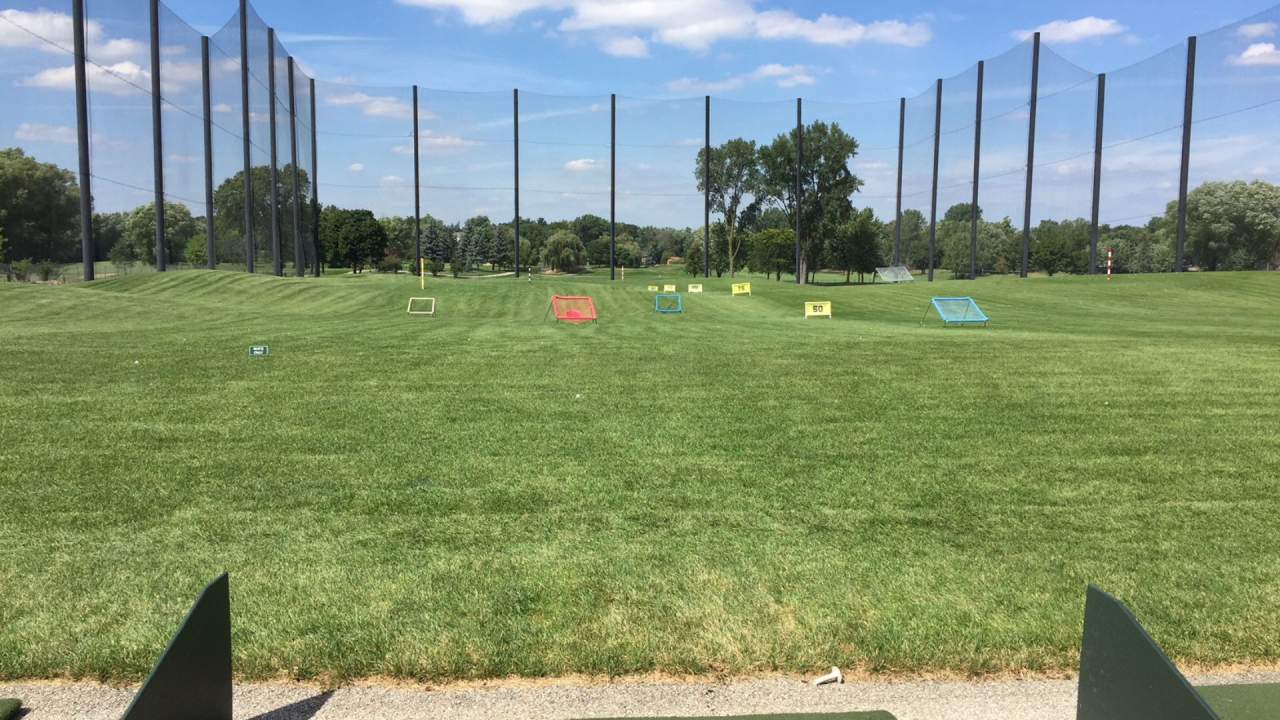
point(487, 492)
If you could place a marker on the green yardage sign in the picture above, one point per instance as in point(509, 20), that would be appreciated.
point(259, 350)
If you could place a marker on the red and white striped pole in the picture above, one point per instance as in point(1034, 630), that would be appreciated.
point(1110, 256)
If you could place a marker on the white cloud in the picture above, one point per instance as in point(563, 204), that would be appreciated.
point(221, 108)
point(784, 76)
point(356, 167)
point(1063, 32)
point(532, 117)
point(628, 47)
point(124, 78)
point(430, 140)
point(177, 77)
point(691, 24)
point(39, 132)
point(302, 38)
point(582, 165)
point(385, 106)
point(486, 12)
point(391, 181)
point(1258, 54)
point(184, 159)
point(835, 30)
point(38, 28)
point(1255, 31)
point(117, 49)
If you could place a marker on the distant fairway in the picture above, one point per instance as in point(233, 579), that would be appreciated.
point(734, 489)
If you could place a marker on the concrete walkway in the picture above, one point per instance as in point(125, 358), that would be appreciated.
point(908, 700)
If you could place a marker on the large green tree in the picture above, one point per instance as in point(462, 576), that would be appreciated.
point(826, 185)
point(1061, 246)
point(734, 175)
point(228, 211)
point(1232, 225)
point(693, 255)
point(914, 247)
point(999, 247)
point(401, 236)
point(629, 253)
point(140, 232)
point(589, 227)
point(854, 246)
point(772, 252)
point(39, 209)
point(598, 250)
point(436, 239)
point(351, 238)
point(108, 229)
point(1134, 250)
point(477, 243)
point(564, 252)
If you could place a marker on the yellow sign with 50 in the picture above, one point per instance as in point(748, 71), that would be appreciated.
point(818, 309)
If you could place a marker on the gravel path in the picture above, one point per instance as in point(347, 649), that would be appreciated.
point(908, 700)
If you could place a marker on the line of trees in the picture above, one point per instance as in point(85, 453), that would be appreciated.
point(1231, 225)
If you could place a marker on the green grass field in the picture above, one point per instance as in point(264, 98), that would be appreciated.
point(735, 489)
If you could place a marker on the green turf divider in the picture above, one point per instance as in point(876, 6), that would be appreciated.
point(192, 678)
point(9, 708)
point(1124, 675)
point(1244, 702)
point(874, 715)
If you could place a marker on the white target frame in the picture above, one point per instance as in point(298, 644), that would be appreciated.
point(429, 311)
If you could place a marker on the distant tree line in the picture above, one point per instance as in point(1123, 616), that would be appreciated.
point(1231, 226)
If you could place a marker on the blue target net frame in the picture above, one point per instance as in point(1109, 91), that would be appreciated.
point(958, 311)
point(668, 303)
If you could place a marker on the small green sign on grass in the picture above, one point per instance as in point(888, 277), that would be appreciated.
point(259, 350)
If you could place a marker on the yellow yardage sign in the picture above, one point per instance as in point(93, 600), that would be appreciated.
point(668, 288)
point(695, 289)
point(817, 309)
point(653, 288)
point(742, 288)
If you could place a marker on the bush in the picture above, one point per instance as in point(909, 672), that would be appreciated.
point(197, 250)
point(435, 267)
point(22, 270)
point(47, 271)
point(123, 256)
point(390, 263)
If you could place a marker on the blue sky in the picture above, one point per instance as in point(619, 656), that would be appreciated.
point(584, 47)
point(850, 63)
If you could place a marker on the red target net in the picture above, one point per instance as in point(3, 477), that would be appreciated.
point(574, 308)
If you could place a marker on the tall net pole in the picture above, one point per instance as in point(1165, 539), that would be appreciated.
point(87, 250)
point(206, 102)
point(315, 185)
point(515, 136)
point(157, 136)
point(1031, 155)
point(706, 187)
point(250, 245)
point(417, 191)
point(277, 262)
point(1098, 128)
point(933, 201)
point(613, 186)
point(977, 171)
point(800, 270)
point(902, 139)
point(299, 260)
point(1184, 178)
